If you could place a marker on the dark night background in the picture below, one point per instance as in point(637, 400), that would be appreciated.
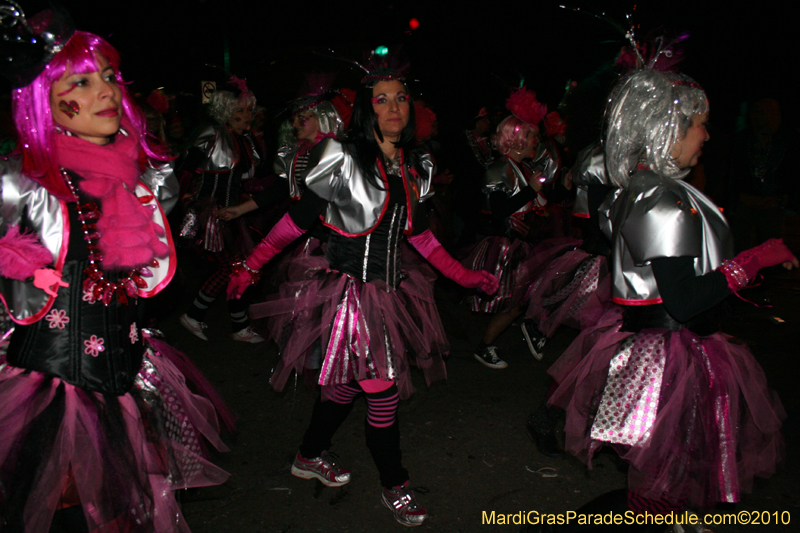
point(465, 56)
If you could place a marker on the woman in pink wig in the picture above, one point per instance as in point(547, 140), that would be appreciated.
point(98, 427)
point(512, 193)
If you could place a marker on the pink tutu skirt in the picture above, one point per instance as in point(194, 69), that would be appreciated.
point(334, 328)
point(692, 415)
point(123, 456)
point(516, 263)
point(574, 289)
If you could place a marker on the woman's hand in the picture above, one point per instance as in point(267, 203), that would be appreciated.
point(234, 212)
point(229, 213)
point(535, 184)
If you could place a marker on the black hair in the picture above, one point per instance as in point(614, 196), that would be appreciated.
point(363, 130)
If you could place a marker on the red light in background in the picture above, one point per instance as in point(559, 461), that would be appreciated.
point(413, 24)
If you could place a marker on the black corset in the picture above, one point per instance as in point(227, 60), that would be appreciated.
point(375, 256)
point(639, 317)
point(63, 352)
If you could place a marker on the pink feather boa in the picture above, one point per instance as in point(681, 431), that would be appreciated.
point(21, 254)
point(128, 236)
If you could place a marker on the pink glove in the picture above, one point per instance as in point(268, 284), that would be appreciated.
point(429, 247)
point(246, 274)
point(48, 280)
point(740, 270)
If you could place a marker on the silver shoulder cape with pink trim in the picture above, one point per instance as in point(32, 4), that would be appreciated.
point(26, 204)
point(660, 217)
point(355, 207)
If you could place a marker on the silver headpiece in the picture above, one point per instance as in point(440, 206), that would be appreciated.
point(647, 112)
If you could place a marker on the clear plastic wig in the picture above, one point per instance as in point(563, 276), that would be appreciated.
point(223, 104)
point(647, 112)
point(512, 134)
point(33, 118)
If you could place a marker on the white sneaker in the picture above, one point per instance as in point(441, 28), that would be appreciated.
point(248, 335)
point(194, 326)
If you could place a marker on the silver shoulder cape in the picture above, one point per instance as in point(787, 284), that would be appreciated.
point(355, 207)
point(222, 151)
point(660, 217)
point(26, 204)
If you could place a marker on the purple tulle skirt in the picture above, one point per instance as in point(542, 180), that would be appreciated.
point(692, 415)
point(122, 457)
point(333, 328)
point(516, 264)
point(574, 289)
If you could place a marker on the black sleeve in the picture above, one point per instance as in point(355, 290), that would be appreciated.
point(420, 222)
point(686, 295)
point(502, 206)
point(193, 159)
point(277, 191)
point(307, 210)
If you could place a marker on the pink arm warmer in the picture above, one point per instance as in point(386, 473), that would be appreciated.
point(430, 248)
point(280, 236)
point(740, 270)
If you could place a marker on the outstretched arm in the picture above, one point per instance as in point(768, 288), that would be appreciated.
point(430, 248)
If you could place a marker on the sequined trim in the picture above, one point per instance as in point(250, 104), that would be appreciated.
point(629, 404)
point(366, 258)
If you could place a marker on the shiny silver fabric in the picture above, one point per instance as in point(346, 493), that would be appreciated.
point(589, 169)
point(660, 217)
point(284, 166)
point(506, 176)
point(160, 178)
point(547, 160)
point(354, 205)
point(29, 205)
point(222, 151)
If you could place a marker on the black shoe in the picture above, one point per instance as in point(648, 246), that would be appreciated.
point(534, 338)
point(488, 356)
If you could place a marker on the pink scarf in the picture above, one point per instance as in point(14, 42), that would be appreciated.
point(128, 235)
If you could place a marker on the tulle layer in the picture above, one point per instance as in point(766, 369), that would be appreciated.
point(334, 328)
point(574, 289)
point(715, 424)
point(516, 264)
point(121, 457)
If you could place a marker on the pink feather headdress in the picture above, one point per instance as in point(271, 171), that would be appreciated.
point(523, 104)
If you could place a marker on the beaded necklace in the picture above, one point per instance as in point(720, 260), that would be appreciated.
point(96, 285)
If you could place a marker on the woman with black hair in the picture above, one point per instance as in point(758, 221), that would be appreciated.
point(356, 301)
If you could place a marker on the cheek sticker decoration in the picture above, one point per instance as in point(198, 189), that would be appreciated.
point(71, 108)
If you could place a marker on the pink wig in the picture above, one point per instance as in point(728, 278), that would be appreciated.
point(30, 108)
point(512, 134)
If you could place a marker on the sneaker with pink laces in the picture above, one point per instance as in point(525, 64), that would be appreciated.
point(324, 468)
point(405, 507)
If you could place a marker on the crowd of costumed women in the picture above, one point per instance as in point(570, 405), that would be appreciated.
point(103, 421)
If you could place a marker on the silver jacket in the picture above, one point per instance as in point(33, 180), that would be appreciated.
point(589, 169)
point(222, 151)
point(29, 205)
point(506, 176)
point(660, 217)
point(285, 161)
point(547, 160)
point(355, 207)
